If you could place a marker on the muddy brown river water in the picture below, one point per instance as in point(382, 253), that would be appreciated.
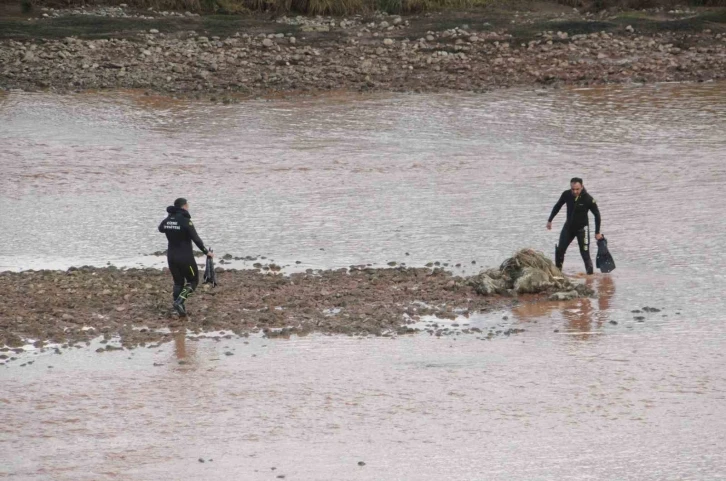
point(590, 390)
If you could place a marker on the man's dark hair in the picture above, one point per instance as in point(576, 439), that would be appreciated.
point(180, 202)
point(576, 180)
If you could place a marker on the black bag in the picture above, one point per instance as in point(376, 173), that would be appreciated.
point(209, 275)
point(604, 260)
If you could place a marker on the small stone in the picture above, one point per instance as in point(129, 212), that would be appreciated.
point(387, 41)
point(564, 296)
point(267, 43)
point(361, 463)
point(201, 460)
point(153, 30)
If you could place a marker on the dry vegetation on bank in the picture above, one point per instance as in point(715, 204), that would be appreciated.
point(352, 7)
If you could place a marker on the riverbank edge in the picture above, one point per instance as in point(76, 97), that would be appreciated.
point(133, 306)
point(235, 58)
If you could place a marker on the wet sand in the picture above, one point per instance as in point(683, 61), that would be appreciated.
point(135, 304)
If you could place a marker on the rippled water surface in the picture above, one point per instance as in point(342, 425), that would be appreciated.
point(586, 392)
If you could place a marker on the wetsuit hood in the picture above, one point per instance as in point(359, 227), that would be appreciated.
point(176, 210)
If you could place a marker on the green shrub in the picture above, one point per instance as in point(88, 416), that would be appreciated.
point(26, 6)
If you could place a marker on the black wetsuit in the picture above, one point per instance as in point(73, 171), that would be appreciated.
point(180, 232)
point(576, 225)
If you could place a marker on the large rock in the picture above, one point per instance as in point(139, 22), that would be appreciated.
point(533, 280)
point(486, 286)
point(527, 272)
point(514, 267)
point(564, 296)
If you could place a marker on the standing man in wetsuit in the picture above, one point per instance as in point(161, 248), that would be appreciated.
point(180, 232)
point(579, 203)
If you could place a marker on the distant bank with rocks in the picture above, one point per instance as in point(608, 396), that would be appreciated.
point(387, 55)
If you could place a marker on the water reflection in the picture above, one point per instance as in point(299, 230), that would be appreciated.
point(183, 353)
point(583, 317)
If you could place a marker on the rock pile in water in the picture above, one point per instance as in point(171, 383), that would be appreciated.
point(528, 272)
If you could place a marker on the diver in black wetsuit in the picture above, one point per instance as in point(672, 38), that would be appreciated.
point(180, 233)
point(579, 203)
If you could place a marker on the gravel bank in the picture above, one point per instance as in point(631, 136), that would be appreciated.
point(392, 53)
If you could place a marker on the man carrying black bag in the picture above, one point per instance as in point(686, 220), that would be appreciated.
point(180, 232)
point(577, 224)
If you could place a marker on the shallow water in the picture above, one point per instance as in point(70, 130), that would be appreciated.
point(586, 392)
